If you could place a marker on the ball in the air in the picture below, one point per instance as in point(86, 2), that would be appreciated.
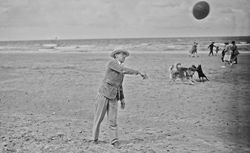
point(201, 10)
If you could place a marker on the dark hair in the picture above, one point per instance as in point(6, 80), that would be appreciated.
point(226, 43)
point(233, 42)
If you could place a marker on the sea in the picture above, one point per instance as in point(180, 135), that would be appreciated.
point(143, 45)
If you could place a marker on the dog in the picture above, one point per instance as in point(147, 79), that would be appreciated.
point(182, 73)
point(201, 75)
point(175, 72)
point(190, 72)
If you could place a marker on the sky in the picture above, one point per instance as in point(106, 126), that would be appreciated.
point(90, 19)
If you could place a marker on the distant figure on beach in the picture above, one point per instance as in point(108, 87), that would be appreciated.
point(227, 54)
point(217, 48)
point(193, 51)
point(110, 92)
point(235, 53)
point(223, 52)
point(211, 47)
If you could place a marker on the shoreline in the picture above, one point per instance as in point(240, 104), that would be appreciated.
point(107, 52)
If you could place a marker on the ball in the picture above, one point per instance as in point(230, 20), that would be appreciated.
point(201, 10)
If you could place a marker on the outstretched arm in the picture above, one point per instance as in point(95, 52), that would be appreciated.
point(135, 72)
point(124, 70)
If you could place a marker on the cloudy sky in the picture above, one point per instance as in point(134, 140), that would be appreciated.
point(76, 19)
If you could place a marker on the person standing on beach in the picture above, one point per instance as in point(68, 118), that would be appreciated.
point(110, 92)
point(235, 53)
point(211, 47)
point(217, 50)
point(193, 51)
point(223, 52)
point(228, 54)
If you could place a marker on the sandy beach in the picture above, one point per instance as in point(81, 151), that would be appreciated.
point(47, 102)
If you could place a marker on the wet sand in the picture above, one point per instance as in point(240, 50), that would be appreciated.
point(47, 102)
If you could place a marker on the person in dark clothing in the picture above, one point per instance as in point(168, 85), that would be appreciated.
point(235, 53)
point(211, 47)
point(223, 51)
point(217, 48)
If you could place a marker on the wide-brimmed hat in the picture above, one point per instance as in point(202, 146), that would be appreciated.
point(118, 51)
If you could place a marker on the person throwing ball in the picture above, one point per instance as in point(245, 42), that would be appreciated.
point(110, 92)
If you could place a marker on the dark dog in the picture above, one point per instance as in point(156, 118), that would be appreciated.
point(201, 75)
